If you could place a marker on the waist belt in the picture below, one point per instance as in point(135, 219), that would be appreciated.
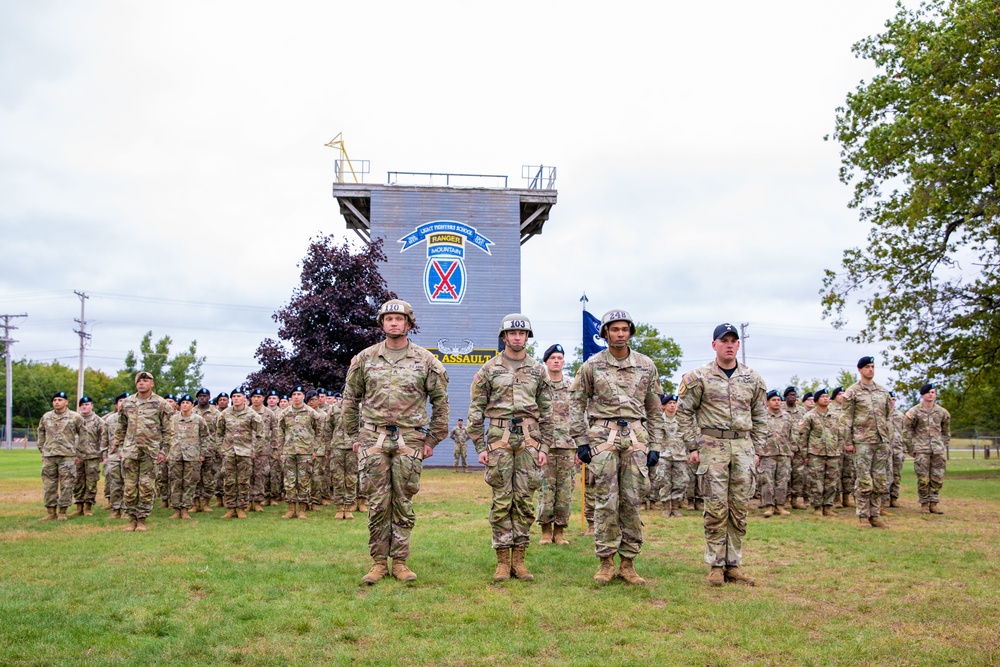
point(619, 427)
point(512, 427)
point(725, 435)
point(395, 434)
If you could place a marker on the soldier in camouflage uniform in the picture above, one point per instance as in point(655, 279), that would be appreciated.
point(343, 465)
point(58, 431)
point(114, 481)
point(928, 432)
point(144, 432)
point(185, 457)
point(848, 475)
point(210, 451)
point(299, 426)
point(239, 431)
point(556, 498)
point(274, 492)
point(867, 422)
point(319, 464)
point(891, 496)
point(617, 424)
point(221, 403)
point(672, 468)
point(461, 440)
point(511, 390)
point(799, 484)
point(385, 418)
point(88, 457)
point(723, 418)
point(821, 435)
point(262, 455)
point(775, 457)
point(162, 468)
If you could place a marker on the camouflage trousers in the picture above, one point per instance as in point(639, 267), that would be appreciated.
point(621, 482)
point(872, 477)
point(320, 485)
point(276, 479)
point(514, 478)
point(298, 477)
point(58, 476)
point(848, 471)
point(184, 478)
point(139, 484)
point(236, 472)
point(693, 490)
point(774, 475)
point(460, 450)
point(390, 480)
point(555, 501)
point(726, 469)
point(219, 476)
point(824, 472)
point(163, 480)
point(209, 473)
point(799, 482)
point(258, 477)
point(343, 476)
point(589, 495)
point(929, 468)
point(114, 484)
point(88, 473)
point(672, 480)
point(896, 474)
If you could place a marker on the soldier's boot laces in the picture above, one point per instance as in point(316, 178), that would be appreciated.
point(50, 514)
point(230, 514)
point(590, 529)
point(61, 516)
point(184, 514)
point(849, 500)
point(877, 522)
point(502, 572)
point(379, 570)
point(546, 534)
point(79, 510)
point(132, 523)
point(517, 567)
point(769, 512)
point(734, 573)
point(819, 511)
point(241, 514)
point(717, 576)
point(781, 511)
point(401, 572)
point(176, 514)
point(934, 509)
point(606, 571)
point(557, 536)
point(626, 571)
point(301, 512)
point(140, 525)
point(88, 509)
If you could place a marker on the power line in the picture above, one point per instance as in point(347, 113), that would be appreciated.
point(84, 337)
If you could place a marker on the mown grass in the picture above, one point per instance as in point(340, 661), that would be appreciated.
point(270, 592)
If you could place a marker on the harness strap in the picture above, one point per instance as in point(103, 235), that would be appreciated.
point(613, 435)
point(394, 433)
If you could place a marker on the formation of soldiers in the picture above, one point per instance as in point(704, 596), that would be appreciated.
point(720, 437)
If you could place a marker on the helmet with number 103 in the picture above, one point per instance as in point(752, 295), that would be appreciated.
point(616, 316)
point(397, 306)
point(516, 322)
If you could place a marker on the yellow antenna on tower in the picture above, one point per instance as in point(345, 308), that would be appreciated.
point(338, 142)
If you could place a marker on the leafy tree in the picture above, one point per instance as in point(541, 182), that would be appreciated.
point(177, 374)
point(34, 382)
point(920, 149)
point(664, 352)
point(329, 319)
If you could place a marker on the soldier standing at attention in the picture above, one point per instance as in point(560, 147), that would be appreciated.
point(262, 454)
point(239, 432)
point(320, 445)
point(385, 420)
point(928, 427)
point(114, 482)
point(821, 435)
point(144, 432)
point(512, 392)
point(891, 497)
point(461, 439)
point(274, 492)
point(299, 426)
point(162, 467)
point(185, 457)
point(89, 449)
point(617, 424)
point(556, 497)
point(58, 431)
point(723, 418)
point(209, 451)
point(343, 464)
point(221, 403)
point(808, 401)
point(798, 486)
point(867, 423)
point(672, 468)
point(845, 495)
point(775, 456)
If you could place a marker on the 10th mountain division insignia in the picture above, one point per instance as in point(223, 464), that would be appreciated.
point(445, 277)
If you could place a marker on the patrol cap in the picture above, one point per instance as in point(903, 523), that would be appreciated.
point(864, 361)
point(789, 390)
point(311, 394)
point(926, 388)
point(773, 394)
point(396, 306)
point(122, 396)
point(820, 392)
point(257, 392)
point(143, 375)
point(616, 316)
point(516, 322)
point(666, 398)
point(238, 390)
point(299, 389)
point(808, 395)
point(85, 399)
point(836, 392)
point(552, 350)
point(723, 329)
point(185, 397)
point(59, 394)
point(203, 392)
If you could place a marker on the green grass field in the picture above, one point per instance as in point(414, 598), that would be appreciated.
point(267, 591)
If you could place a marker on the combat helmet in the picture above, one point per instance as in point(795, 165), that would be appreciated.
point(396, 306)
point(616, 316)
point(516, 322)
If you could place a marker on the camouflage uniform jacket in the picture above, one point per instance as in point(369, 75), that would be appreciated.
point(673, 446)
point(500, 391)
point(337, 439)
point(299, 428)
point(111, 451)
point(459, 435)
point(239, 432)
point(822, 433)
point(867, 414)
point(325, 433)
point(606, 388)
point(58, 433)
point(380, 392)
point(190, 434)
point(898, 432)
point(795, 416)
point(144, 425)
point(929, 430)
point(93, 443)
point(781, 432)
point(211, 417)
point(268, 423)
point(560, 414)
point(709, 399)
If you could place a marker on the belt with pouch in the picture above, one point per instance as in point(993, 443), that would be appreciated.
point(515, 426)
point(619, 428)
point(395, 434)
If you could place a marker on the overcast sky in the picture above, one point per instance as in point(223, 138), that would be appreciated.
point(168, 159)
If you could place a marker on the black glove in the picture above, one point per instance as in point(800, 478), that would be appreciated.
point(583, 453)
point(652, 458)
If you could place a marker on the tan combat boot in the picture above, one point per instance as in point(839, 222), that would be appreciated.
point(769, 512)
point(140, 525)
point(557, 536)
point(176, 514)
point(849, 500)
point(257, 507)
point(781, 511)
point(218, 502)
point(863, 522)
point(197, 505)
point(699, 504)
point(799, 503)
point(340, 512)
point(517, 567)
point(401, 572)
point(362, 505)
point(502, 572)
point(626, 571)
point(290, 514)
point(184, 514)
point(828, 510)
point(301, 513)
point(379, 570)
point(546, 534)
point(685, 505)
point(934, 509)
point(116, 514)
point(325, 502)
point(667, 509)
point(590, 529)
point(266, 503)
point(353, 507)
point(925, 508)
point(838, 500)
point(132, 523)
point(165, 504)
point(877, 522)
point(241, 513)
point(818, 511)
point(88, 509)
point(717, 576)
point(61, 515)
point(79, 510)
point(107, 505)
point(50, 514)
point(230, 513)
point(606, 572)
point(348, 514)
point(734, 573)
point(894, 502)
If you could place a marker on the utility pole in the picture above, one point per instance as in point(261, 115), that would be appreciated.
point(9, 398)
point(743, 340)
point(84, 337)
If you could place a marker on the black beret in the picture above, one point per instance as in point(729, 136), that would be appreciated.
point(203, 392)
point(59, 394)
point(122, 396)
point(551, 350)
point(257, 392)
point(666, 398)
point(221, 394)
point(892, 394)
point(337, 394)
point(322, 391)
point(789, 390)
point(723, 329)
point(238, 390)
point(285, 396)
point(85, 399)
point(773, 394)
point(836, 391)
point(864, 361)
point(299, 388)
point(185, 397)
point(311, 394)
point(926, 388)
point(820, 392)
point(272, 392)
point(808, 395)
point(170, 397)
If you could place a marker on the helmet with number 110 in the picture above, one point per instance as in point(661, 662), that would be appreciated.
point(397, 306)
point(516, 322)
point(616, 316)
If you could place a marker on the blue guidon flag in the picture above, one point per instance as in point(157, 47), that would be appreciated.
point(445, 277)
